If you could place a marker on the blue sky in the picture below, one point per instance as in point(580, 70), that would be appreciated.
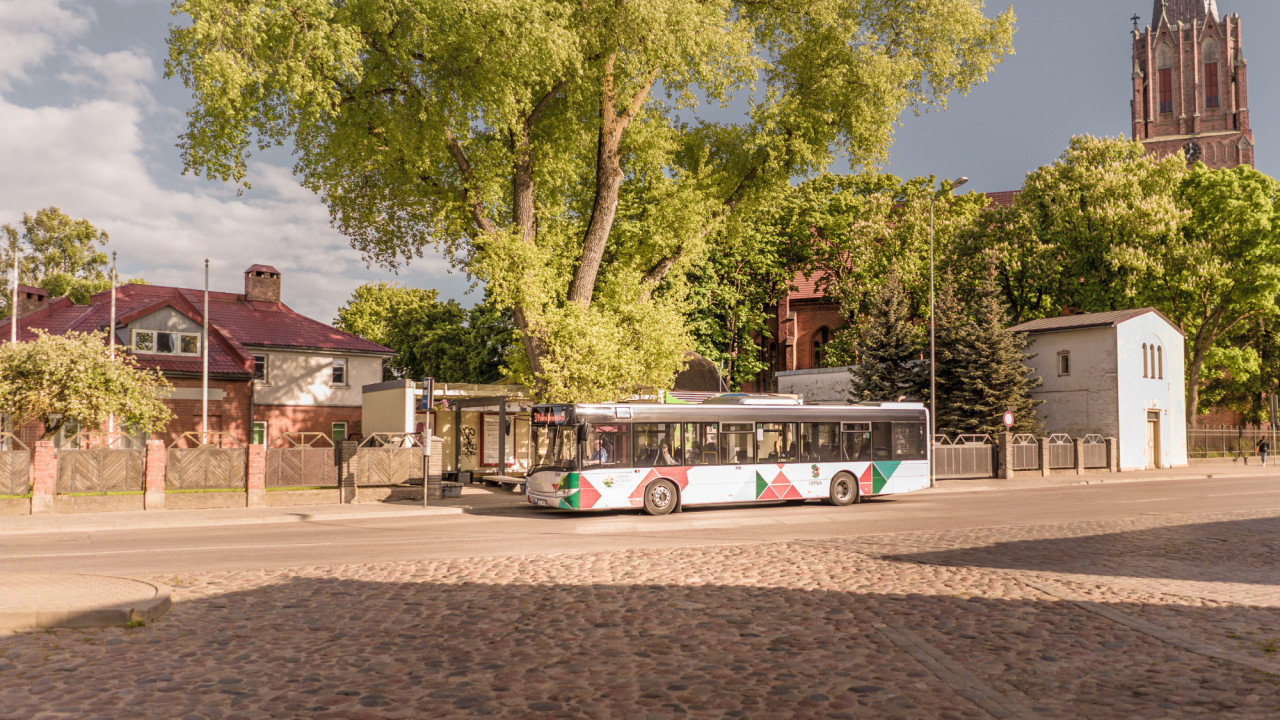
point(89, 124)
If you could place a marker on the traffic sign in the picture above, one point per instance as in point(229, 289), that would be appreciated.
point(1008, 418)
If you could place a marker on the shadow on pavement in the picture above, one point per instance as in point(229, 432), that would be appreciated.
point(1236, 551)
point(416, 640)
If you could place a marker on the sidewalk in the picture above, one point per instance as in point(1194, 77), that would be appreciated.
point(1198, 469)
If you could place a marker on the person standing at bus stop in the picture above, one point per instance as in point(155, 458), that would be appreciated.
point(1264, 447)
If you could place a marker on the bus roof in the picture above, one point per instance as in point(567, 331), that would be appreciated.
point(656, 413)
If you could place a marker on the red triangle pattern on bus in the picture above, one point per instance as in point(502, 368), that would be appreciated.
point(588, 495)
point(864, 482)
point(780, 489)
point(678, 475)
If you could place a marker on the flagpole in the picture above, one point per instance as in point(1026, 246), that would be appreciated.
point(13, 309)
point(204, 346)
point(111, 339)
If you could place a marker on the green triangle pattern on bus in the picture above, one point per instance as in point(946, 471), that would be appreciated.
point(569, 482)
point(881, 472)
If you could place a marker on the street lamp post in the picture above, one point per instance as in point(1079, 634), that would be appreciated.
point(933, 367)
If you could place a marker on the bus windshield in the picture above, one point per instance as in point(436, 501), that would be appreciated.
point(555, 446)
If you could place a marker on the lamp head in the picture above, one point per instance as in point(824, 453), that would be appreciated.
point(958, 182)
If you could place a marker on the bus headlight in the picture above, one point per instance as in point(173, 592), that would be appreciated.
point(565, 492)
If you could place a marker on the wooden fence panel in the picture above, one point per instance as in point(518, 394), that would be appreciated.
point(100, 470)
point(388, 465)
point(301, 467)
point(205, 468)
point(15, 472)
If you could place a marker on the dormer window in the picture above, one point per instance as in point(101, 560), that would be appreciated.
point(159, 342)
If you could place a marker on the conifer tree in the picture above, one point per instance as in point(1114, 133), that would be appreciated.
point(889, 364)
point(992, 375)
point(954, 340)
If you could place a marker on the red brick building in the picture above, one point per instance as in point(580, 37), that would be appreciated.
point(271, 370)
point(1190, 84)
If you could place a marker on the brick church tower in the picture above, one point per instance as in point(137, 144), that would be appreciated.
point(1189, 84)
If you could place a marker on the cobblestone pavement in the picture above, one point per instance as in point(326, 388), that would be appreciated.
point(1147, 618)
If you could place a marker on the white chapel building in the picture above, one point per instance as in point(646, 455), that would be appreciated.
point(1117, 373)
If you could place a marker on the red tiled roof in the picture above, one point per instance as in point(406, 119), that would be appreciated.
point(1002, 198)
point(806, 288)
point(262, 268)
point(234, 323)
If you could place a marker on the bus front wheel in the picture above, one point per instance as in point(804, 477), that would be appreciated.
point(844, 490)
point(660, 497)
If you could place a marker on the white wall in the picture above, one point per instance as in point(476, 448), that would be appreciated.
point(1084, 401)
point(387, 410)
point(1138, 395)
point(304, 378)
point(821, 385)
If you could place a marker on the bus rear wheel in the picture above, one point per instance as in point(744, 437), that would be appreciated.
point(844, 490)
point(660, 497)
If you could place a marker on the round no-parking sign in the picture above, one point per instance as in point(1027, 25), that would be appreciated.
point(1008, 419)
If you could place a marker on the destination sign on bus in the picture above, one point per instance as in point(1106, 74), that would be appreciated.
point(549, 415)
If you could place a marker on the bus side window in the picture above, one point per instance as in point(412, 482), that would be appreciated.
point(857, 445)
point(882, 441)
point(819, 442)
point(737, 444)
point(909, 441)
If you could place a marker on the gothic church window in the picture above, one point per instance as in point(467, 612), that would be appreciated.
point(1211, 75)
point(820, 340)
point(1164, 61)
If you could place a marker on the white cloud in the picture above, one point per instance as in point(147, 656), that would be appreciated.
point(32, 30)
point(90, 159)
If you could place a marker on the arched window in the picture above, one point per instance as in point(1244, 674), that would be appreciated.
point(1144, 360)
point(1160, 362)
point(1164, 76)
point(1210, 57)
point(820, 340)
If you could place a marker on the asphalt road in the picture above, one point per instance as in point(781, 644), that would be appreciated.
point(521, 530)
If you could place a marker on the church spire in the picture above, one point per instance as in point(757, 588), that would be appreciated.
point(1184, 11)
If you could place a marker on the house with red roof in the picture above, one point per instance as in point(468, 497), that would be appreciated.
point(271, 370)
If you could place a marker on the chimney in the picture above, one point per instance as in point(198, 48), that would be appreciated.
point(31, 299)
point(262, 284)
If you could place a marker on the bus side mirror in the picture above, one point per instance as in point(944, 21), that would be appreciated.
point(582, 433)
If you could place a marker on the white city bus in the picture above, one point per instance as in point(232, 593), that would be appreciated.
point(731, 449)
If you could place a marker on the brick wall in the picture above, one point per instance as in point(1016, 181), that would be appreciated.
point(229, 415)
point(305, 418)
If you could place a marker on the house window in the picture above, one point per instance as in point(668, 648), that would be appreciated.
point(1145, 367)
point(1166, 90)
point(339, 432)
point(260, 369)
point(1211, 85)
point(259, 432)
point(1064, 363)
point(161, 342)
point(1160, 362)
point(339, 372)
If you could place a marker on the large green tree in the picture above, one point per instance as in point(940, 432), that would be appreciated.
point(1221, 272)
point(892, 362)
point(551, 147)
point(58, 379)
point(57, 253)
point(432, 338)
point(1084, 232)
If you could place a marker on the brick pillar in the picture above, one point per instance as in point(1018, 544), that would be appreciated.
point(1113, 455)
point(1044, 457)
point(348, 466)
point(44, 477)
point(1004, 468)
point(256, 479)
point(157, 461)
point(1078, 448)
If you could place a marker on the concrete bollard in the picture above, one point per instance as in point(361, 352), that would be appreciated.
point(1006, 456)
point(1044, 457)
point(348, 458)
point(1078, 448)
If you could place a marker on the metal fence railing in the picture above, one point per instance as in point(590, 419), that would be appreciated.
point(1094, 449)
point(1026, 452)
point(968, 456)
point(1227, 442)
point(1062, 451)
